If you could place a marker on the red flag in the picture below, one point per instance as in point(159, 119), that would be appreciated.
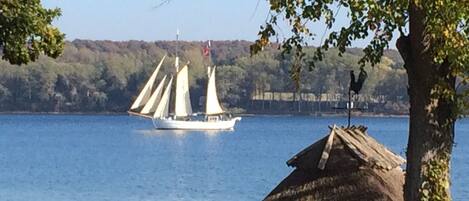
point(206, 51)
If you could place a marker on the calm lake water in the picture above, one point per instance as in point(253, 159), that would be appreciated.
point(121, 158)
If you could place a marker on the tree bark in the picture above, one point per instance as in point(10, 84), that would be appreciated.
point(432, 118)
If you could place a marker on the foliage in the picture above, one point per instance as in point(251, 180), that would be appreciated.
point(448, 40)
point(26, 31)
point(97, 76)
point(436, 180)
point(378, 17)
point(232, 86)
point(446, 24)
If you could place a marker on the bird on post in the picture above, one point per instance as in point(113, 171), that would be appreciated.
point(356, 85)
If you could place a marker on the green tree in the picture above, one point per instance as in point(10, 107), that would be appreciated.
point(231, 81)
point(392, 85)
point(435, 51)
point(26, 31)
point(4, 95)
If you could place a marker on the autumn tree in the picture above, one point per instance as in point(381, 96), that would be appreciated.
point(26, 31)
point(435, 50)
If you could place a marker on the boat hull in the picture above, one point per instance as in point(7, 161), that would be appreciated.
point(168, 124)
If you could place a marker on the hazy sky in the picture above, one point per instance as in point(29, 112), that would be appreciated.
point(150, 21)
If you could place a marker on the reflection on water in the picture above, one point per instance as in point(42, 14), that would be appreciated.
point(120, 158)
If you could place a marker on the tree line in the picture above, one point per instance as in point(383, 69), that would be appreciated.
point(105, 76)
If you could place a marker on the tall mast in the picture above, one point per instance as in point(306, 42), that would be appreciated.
point(176, 64)
point(182, 106)
point(177, 41)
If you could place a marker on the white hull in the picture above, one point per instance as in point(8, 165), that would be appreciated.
point(195, 125)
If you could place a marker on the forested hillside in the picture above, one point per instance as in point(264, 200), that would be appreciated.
point(104, 76)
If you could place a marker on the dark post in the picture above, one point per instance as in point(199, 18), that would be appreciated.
point(349, 106)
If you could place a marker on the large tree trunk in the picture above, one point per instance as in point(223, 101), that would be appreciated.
point(432, 117)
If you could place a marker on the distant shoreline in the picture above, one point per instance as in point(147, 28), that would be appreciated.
point(326, 115)
point(62, 113)
point(241, 114)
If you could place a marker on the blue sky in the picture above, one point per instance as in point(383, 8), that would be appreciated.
point(197, 20)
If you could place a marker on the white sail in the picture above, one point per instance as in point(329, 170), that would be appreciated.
point(162, 110)
point(212, 105)
point(176, 64)
point(208, 71)
point(183, 102)
point(144, 95)
point(154, 99)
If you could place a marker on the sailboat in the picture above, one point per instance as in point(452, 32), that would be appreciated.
point(156, 104)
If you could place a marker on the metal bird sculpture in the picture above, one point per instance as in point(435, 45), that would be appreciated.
point(356, 85)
